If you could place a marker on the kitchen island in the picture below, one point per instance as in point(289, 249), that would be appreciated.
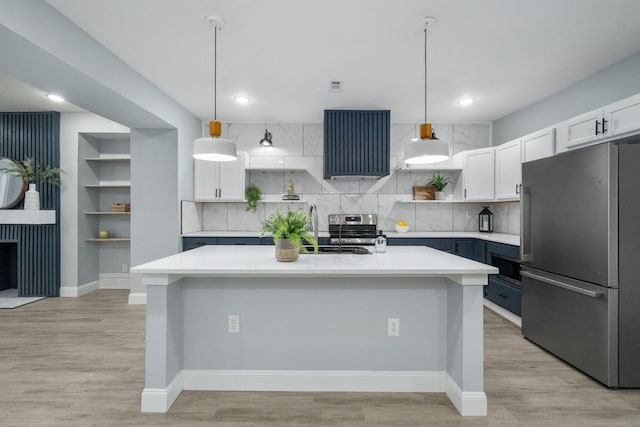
point(408, 320)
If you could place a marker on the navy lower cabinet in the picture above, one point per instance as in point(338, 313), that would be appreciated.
point(195, 242)
point(505, 294)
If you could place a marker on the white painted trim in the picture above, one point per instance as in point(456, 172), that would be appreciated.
point(74, 292)
point(513, 318)
point(137, 298)
point(468, 403)
point(342, 381)
point(159, 400)
point(114, 280)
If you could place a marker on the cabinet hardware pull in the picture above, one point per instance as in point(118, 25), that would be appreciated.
point(597, 123)
point(517, 189)
point(502, 296)
point(465, 193)
point(220, 192)
point(604, 128)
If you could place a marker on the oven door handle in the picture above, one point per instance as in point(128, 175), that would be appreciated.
point(560, 284)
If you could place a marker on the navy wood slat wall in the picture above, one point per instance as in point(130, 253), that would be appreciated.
point(37, 136)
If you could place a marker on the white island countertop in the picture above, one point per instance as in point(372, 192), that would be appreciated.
point(509, 239)
point(247, 261)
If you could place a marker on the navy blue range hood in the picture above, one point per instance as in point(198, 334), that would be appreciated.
point(356, 144)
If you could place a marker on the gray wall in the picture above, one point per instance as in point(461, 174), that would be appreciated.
point(155, 210)
point(611, 84)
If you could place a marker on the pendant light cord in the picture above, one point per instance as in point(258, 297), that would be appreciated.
point(215, 71)
point(425, 73)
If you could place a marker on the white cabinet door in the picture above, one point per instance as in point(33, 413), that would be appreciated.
point(205, 180)
point(508, 170)
point(479, 175)
point(623, 116)
point(584, 129)
point(231, 179)
point(538, 145)
point(219, 181)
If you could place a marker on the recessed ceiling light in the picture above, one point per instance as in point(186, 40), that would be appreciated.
point(466, 101)
point(54, 97)
point(242, 100)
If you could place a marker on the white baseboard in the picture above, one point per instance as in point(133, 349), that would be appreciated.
point(513, 318)
point(74, 292)
point(161, 399)
point(468, 403)
point(114, 280)
point(347, 381)
point(137, 298)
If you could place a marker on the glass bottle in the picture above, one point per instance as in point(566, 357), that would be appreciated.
point(381, 242)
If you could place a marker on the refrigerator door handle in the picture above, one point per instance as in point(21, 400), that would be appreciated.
point(525, 232)
point(559, 284)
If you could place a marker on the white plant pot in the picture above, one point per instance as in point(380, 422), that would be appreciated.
point(32, 199)
point(440, 195)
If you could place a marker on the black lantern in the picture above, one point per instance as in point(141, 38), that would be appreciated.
point(485, 223)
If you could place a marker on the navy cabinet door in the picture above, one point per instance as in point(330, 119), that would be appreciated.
point(195, 242)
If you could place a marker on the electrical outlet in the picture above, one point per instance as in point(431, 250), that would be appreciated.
point(393, 327)
point(125, 268)
point(233, 321)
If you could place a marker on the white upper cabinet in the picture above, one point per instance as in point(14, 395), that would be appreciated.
point(583, 129)
point(478, 175)
point(624, 116)
point(220, 181)
point(508, 170)
point(617, 119)
point(538, 145)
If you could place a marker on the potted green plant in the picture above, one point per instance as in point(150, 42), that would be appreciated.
point(439, 182)
point(35, 174)
point(253, 195)
point(289, 231)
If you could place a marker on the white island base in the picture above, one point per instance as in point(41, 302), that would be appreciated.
point(318, 324)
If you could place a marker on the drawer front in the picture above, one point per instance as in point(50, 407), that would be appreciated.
point(504, 294)
point(238, 241)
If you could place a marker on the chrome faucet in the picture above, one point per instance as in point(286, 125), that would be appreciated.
point(313, 214)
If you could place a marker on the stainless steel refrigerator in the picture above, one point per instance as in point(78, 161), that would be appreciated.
point(580, 254)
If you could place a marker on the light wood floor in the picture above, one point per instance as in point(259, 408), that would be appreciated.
point(80, 362)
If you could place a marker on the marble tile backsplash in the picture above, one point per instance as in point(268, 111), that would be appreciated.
point(389, 197)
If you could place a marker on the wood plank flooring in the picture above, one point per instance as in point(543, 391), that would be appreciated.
point(80, 362)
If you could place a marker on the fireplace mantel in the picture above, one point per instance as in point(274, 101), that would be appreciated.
point(20, 216)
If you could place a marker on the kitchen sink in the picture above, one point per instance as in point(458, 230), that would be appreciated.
point(356, 250)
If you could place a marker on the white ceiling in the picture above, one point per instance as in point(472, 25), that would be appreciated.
point(283, 53)
point(18, 96)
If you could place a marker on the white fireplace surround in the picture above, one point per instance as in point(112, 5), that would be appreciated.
point(20, 216)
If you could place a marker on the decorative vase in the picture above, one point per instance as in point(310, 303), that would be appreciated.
point(286, 251)
point(440, 195)
point(32, 199)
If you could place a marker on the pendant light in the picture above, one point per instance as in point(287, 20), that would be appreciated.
point(266, 140)
point(430, 149)
point(214, 148)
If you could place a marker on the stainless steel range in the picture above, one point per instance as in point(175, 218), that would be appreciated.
point(352, 229)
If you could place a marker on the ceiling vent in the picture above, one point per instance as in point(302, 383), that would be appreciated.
point(335, 86)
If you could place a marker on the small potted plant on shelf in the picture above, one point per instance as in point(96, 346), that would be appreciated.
point(253, 195)
point(289, 231)
point(439, 182)
point(35, 174)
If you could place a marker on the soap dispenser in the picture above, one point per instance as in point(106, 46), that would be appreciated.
point(381, 242)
